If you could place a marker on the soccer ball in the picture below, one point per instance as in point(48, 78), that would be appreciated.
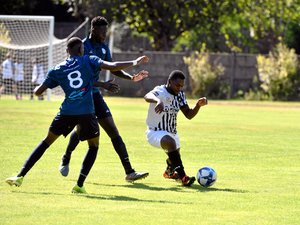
point(206, 176)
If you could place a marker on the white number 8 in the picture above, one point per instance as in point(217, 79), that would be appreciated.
point(76, 79)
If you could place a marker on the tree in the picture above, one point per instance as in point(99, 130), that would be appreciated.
point(165, 21)
point(252, 26)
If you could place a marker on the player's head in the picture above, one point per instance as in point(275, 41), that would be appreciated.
point(99, 29)
point(75, 46)
point(176, 81)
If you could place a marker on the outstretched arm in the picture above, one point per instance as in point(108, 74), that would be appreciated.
point(135, 77)
point(120, 65)
point(108, 85)
point(191, 113)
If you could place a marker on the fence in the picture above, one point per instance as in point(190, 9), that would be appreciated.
point(240, 70)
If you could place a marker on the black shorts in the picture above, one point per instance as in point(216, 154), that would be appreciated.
point(87, 126)
point(101, 109)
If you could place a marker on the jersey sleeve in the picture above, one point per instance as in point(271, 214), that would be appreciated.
point(157, 91)
point(182, 99)
point(108, 55)
point(50, 80)
point(95, 62)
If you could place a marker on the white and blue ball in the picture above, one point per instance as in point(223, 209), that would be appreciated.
point(206, 176)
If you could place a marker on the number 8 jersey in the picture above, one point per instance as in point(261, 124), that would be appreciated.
point(167, 120)
point(75, 76)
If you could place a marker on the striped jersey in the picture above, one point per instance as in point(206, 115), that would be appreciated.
point(167, 120)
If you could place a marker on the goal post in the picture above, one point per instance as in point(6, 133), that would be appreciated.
point(28, 49)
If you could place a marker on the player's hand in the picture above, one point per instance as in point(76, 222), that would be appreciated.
point(202, 101)
point(142, 59)
point(159, 108)
point(112, 87)
point(140, 75)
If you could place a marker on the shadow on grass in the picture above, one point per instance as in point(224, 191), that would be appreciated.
point(141, 186)
point(129, 199)
point(210, 189)
point(104, 197)
point(177, 188)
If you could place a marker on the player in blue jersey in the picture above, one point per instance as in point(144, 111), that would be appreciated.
point(95, 45)
point(76, 77)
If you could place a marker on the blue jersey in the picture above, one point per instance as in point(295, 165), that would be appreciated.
point(101, 50)
point(75, 76)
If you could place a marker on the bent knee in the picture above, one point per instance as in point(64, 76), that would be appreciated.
point(168, 143)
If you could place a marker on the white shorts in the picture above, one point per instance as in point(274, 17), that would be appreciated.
point(154, 137)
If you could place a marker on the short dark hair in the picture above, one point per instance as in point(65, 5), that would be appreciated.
point(99, 21)
point(73, 42)
point(176, 74)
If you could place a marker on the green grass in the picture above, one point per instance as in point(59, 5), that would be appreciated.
point(254, 147)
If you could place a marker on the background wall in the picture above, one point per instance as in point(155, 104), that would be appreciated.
point(240, 70)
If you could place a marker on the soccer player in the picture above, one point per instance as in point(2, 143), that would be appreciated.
point(95, 45)
point(18, 77)
point(165, 103)
point(37, 77)
point(76, 77)
point(7, 70)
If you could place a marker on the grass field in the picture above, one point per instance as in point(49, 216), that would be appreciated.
point(253, 146)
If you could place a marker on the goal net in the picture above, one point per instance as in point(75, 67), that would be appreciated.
point(28, 49)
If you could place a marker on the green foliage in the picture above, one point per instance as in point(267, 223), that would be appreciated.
point(205, 76)
point(279, 73)
point(4, 34)
point(165, 21)
point(224, 26)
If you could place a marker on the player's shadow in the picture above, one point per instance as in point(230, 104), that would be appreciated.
point(128, 199)
point(142, 186)
point(211, 189)
point(103, 197)
point(177, 187)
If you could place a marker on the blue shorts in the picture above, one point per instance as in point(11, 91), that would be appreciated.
point(87, 125)
point(101, 109)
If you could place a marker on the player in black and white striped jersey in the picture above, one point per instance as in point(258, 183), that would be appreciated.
point(165, 103)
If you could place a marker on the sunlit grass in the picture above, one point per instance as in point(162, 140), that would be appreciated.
point(253, 146)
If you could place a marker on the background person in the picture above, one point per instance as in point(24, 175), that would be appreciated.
point(7, 69)
point(18, 78)
point(38, 76)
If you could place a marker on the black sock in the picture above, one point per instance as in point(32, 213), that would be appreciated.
point(33, 158)
point(175, 160)
point(73, 142)
point(87, 164)
point(121, 150)
point(170, 168)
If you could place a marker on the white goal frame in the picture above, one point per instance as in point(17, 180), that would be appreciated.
point(50, 36)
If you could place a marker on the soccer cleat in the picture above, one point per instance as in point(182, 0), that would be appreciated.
point(135, 176)
point(172, 175)
point(64, 166)
point(78, 190)
point(64, 169)
point(188, 181)
point(17, 181)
